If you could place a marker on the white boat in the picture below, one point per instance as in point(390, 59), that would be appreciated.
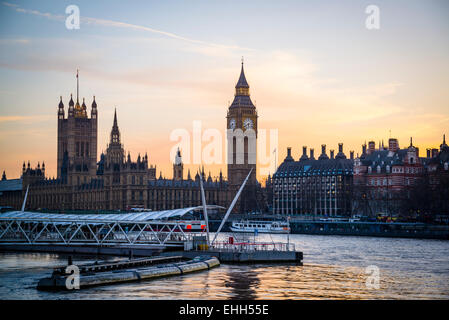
point(260, 226)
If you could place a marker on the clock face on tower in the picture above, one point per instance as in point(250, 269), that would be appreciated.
point(232, 124)
point(248, 123)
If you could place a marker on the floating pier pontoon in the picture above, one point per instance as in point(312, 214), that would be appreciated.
point(126, 271)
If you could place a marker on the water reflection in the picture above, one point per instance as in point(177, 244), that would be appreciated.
point(334, 268)
point(243, 281)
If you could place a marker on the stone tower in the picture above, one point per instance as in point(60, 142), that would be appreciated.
point(241, 135)
point(77, 141)
point(115, 153)
point(242, 147)
point(178, 167)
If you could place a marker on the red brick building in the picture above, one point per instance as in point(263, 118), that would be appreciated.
point(383, 177)
point(438, 180)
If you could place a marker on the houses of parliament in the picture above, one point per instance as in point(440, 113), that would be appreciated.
point(115, 181)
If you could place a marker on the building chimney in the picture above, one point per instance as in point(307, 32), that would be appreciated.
point(304, 154)
point(323, 155)
point(289, 155)
point(434, 152)
point(332, 154)
point(340, 154)
point(393, 144)
point(371, 147)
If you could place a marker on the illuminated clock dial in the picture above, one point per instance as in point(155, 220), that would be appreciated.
point(248, 123)
point(232, 124)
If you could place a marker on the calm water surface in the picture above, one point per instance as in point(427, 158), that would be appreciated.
point(334, 268)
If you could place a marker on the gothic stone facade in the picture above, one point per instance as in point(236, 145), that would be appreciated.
point(117, 182)
point(120, 183)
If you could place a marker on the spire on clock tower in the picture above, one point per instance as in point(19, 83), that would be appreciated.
point(242, 84)
point(241, 98)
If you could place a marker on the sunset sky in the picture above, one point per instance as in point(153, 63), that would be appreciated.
point(316, 73)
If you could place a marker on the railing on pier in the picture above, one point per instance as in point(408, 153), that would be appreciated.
point(97, 232)
point(254, 246)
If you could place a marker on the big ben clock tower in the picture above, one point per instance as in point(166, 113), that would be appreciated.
point(242, 135)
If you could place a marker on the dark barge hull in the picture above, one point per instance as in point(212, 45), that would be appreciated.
point(130, 271)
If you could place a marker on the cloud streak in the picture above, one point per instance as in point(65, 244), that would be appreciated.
point(35, 12)
point(124, 25)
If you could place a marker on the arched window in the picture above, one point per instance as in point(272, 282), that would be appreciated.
point(234, 150)
point(245, 143)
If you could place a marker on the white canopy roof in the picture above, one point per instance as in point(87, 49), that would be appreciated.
point(119, 217)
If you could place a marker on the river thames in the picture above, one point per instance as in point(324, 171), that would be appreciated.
point(335, 267)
